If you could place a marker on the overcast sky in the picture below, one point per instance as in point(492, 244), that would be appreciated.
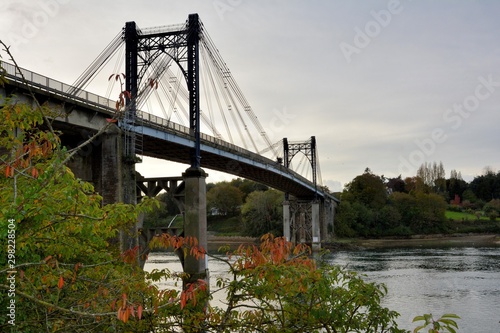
point(381, 84)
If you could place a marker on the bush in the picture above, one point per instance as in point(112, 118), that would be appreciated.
point(400, 231)
point(493, 215)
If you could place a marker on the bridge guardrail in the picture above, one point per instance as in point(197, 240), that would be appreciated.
point(107, 105)
point(49, 85)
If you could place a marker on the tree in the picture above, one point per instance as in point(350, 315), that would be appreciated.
point(396, 184)
point(368, 189)
point(422, 212)
point(63, 261)
point(415, 185)
point(433, 175)
point(247, 186)
point(456, 185)
point(345, 220)
point(263, 213)
point(225, 198)
point(487, 186)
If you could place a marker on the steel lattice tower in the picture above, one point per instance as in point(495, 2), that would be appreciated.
point(308, 148)
point(182, 45)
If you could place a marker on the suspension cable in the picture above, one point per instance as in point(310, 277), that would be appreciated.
point(98, 64)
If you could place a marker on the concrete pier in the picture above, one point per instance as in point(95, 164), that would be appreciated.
point(195, 221)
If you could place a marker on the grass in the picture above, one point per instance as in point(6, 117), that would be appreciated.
point(459, 222)
point(460, 216)
point(224, 226)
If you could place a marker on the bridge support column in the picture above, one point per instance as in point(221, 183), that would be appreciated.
point(303, 222)
point(195, 221)
point(286, 220)
point(315, 226)
point(108, 177)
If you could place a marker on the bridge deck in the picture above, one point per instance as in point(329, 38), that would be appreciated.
point(167, 140)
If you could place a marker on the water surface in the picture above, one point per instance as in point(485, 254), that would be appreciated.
point(460, 280)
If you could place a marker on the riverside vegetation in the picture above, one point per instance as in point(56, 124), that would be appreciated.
point(371, 206)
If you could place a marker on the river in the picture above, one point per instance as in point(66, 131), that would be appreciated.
point(437, 280)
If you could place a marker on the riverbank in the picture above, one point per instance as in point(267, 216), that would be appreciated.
point(458, 240)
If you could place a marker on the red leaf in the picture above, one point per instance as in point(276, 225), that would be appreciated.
point(183, 299)
point(60, 284)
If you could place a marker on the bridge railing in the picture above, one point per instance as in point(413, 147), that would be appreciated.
point(44, 83)
point(66, 91)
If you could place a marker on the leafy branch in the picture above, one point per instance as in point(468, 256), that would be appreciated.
point(446, 322)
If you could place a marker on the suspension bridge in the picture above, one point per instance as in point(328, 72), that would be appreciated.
point(182, 104)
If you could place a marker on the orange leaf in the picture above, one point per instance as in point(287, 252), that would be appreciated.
point(60, 284)
point(139, 312)
point(126, 314)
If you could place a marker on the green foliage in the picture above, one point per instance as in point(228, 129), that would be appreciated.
point(368, 189)
point(444, 324)
point(422, 213)
point(345, 218)
point(167, 210)
point(487, 186)
point(493, 215)
point(279, 288)
point(225, 226)
point(69, 272)
point(367, 211)
point(247, 186)
point(225, 198)
point(263, 213)
point(492, 206)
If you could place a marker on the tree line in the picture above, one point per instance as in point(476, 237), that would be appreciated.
point(254, 206)
point(374, 206)
point(371, 205)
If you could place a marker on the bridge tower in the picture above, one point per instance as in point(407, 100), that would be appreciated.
point(302, 218)
point(182, 46)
